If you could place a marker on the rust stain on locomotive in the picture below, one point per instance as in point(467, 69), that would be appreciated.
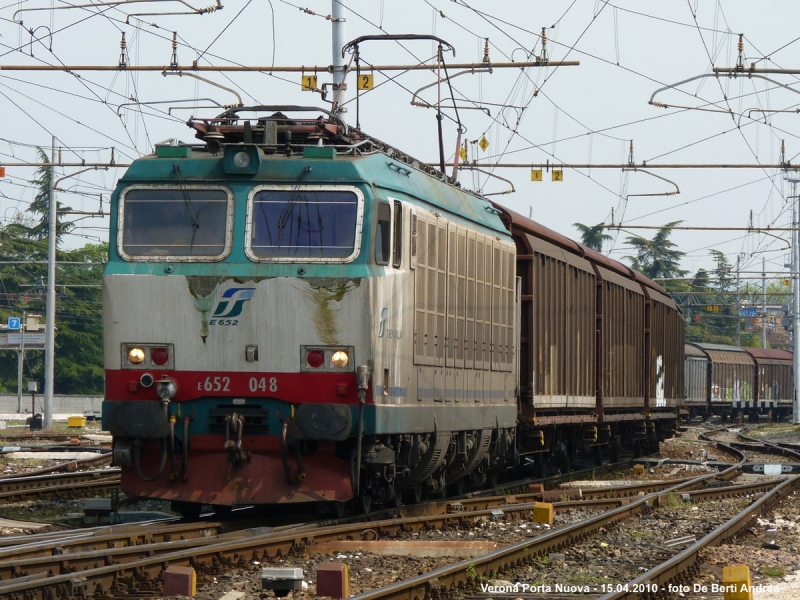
point(324, 291)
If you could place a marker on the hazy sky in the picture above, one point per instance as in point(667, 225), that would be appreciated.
point(572, 114)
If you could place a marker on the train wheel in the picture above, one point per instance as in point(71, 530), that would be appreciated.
point(413, 495)
point(566, 463)
point(541, 466)
point(457, 488)
point(362, 504)
point(336, 509)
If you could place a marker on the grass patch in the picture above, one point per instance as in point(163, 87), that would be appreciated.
point(671, 501)
point(774, 571)
point(640, 534)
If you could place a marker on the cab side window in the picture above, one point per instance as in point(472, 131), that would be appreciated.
point(383, 235)
point(397, 234)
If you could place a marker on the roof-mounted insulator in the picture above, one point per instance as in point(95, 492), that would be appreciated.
point(631, 162)
point(740, 60)
point(486, 60)
point(543, 58)
point(123, 59)
point(173, 63)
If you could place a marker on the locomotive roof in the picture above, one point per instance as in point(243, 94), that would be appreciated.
point(279, 135)
point(354, 158)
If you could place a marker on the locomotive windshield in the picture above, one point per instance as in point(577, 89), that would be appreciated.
point(299, 223)
point(182, 222)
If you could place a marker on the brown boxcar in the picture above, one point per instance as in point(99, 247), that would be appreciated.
point(774, 381)
point(601, 346)
point(696, 374)
point(731, 378)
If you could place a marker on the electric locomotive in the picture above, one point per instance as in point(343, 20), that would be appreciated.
point(276, 320)
point(295, 311)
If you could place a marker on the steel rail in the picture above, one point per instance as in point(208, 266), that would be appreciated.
point(773, 448)
point(143, 575)
point(454, 580)
point(681, 568)
point(71, 466)
point(51, 485)
point(78, 561)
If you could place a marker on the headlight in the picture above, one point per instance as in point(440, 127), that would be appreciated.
point(340, 359)
point(136, 356)
point(241, 160)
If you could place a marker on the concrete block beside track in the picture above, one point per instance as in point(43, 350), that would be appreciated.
point(333, 580)
point(179, 581)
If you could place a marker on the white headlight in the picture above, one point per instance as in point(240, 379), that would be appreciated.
point(340, 359)
point(136, 356)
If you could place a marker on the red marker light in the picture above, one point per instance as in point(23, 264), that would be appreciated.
point(315, 358)
point(159, 356)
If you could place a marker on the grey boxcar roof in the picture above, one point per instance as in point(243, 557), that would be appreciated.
point(691, 350)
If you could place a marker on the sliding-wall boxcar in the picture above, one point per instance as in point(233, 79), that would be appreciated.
point(600, 348)
point(730, 380)
point(774, 382)
point(696, 377)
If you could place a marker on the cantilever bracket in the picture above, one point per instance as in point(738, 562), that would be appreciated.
point(635, 170)
point(704, 76)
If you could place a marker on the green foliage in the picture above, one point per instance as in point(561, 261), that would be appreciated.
point(657, 258)
point(774, 571)
point(593, 237)
point(41, 204)
point(79, 331)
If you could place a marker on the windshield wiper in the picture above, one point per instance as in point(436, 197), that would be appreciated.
point(284, 215)
point(194, 216)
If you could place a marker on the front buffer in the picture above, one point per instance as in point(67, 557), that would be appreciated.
point(234, 451)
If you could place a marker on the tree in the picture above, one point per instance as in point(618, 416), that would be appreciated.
point(657, 258)
point(41, 203)
point(79, 328)
point(593, 237)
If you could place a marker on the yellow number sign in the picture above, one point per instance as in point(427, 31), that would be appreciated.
point(309, 83)
point(462, 153)
point(365, 82)
point(483, 143)
point(558, 175)
point(536, 174)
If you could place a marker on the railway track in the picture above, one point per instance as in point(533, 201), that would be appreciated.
point(129, 560)
point(54, 485)
point(103, 566)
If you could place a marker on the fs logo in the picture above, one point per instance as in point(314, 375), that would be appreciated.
point(231, 306)
point(384, 331)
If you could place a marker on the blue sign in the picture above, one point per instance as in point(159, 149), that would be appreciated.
point(13, 323)
point(749, 312)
